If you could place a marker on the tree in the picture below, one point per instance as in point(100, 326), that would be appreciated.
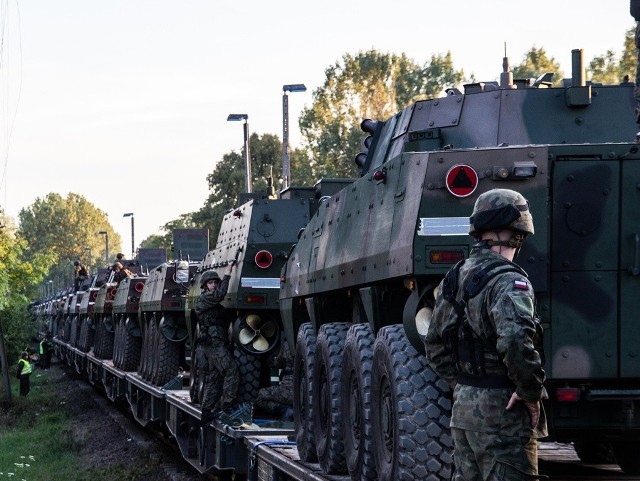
point(64, 228)
point(226, 182)
point(535, 63)
point(20, 277)
point(368, 85)
point(165, 241)
point(608, 69)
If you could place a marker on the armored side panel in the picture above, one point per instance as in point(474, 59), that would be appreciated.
point(259, 235)
point(375, 251)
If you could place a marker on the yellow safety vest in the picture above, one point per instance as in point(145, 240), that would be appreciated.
point(26, 368)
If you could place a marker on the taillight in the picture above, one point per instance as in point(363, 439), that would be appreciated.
point(113, 292)
point(94, 295)
point(139, 286)
point(446, 257)
point(568, 394)
point(254, 299)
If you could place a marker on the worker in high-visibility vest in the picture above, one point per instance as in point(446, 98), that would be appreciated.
point(45, 350)
point(24, 373)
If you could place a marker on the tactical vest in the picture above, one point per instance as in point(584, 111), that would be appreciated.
point(469, 349)
point(26, 367)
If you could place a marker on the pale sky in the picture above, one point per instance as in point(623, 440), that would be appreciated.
point(125, 101)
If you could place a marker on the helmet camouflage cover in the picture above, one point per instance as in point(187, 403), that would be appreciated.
point(209, 276)
point(501, 209)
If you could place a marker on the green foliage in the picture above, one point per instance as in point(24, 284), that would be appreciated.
point(535, 63)
point(609, 70)
point(371, 85)
point(64, 228)
point(165, 241)
point(226, 182)
point(20, 278)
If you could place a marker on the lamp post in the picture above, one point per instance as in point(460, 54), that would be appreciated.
point(286, 160)
point(106, 245)
point(50, 288)
point(133, 250)
point(247, 154)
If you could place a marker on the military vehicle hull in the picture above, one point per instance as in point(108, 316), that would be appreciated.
point(374, 252)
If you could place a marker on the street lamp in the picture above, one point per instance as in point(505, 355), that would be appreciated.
point(50, 288)
point(133, 250)
point(247, 154)
point(286, 160)
point(106, 245)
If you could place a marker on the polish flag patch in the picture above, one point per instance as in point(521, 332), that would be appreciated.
point(521, 284)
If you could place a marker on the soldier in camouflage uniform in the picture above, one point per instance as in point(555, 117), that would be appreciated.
point(222, 379)
point(279, 399)
point(486, 344)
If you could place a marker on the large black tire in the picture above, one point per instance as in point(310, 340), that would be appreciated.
point(87, 335)
point(151, 354)
point(130, 349)
point(411, 412)
point(595, 452)
point(104, 341)
point(144, 369)
point(356, 402)
point(167, 359)
point(73, 337)
point(303, 392)
point(327, 404)
point(117, 342)
point(627, 456)
point(250, 372)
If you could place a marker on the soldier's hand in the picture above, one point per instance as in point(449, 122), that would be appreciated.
point(229, 268)
point(532, 407)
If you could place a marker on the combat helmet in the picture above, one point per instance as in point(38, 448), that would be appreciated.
point(209, 276)
point(501, 209)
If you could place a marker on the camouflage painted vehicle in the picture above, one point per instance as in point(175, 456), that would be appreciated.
point(124, 324)
point(86, 310)
point(256, 236)
point(103, 322)
point(358, 288)
point(163, 327)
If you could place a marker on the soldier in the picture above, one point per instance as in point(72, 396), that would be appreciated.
point(279, 399)
point(45, 350)
point(484, 339)
point(24, 373)
point(81, 273)
point(120, 272)
point(221, 383)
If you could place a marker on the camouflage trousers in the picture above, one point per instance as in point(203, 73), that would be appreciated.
point(493, 457)
point(272, 399)
point(223, 378)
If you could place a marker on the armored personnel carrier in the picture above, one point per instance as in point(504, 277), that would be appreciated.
point(162, 321)
point(358, 288)
point(256, 236)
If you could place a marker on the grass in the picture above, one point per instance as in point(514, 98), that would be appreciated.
point(34, 442)
point(37, 442)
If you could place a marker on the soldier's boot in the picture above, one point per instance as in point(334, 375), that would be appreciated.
point(237, 415)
